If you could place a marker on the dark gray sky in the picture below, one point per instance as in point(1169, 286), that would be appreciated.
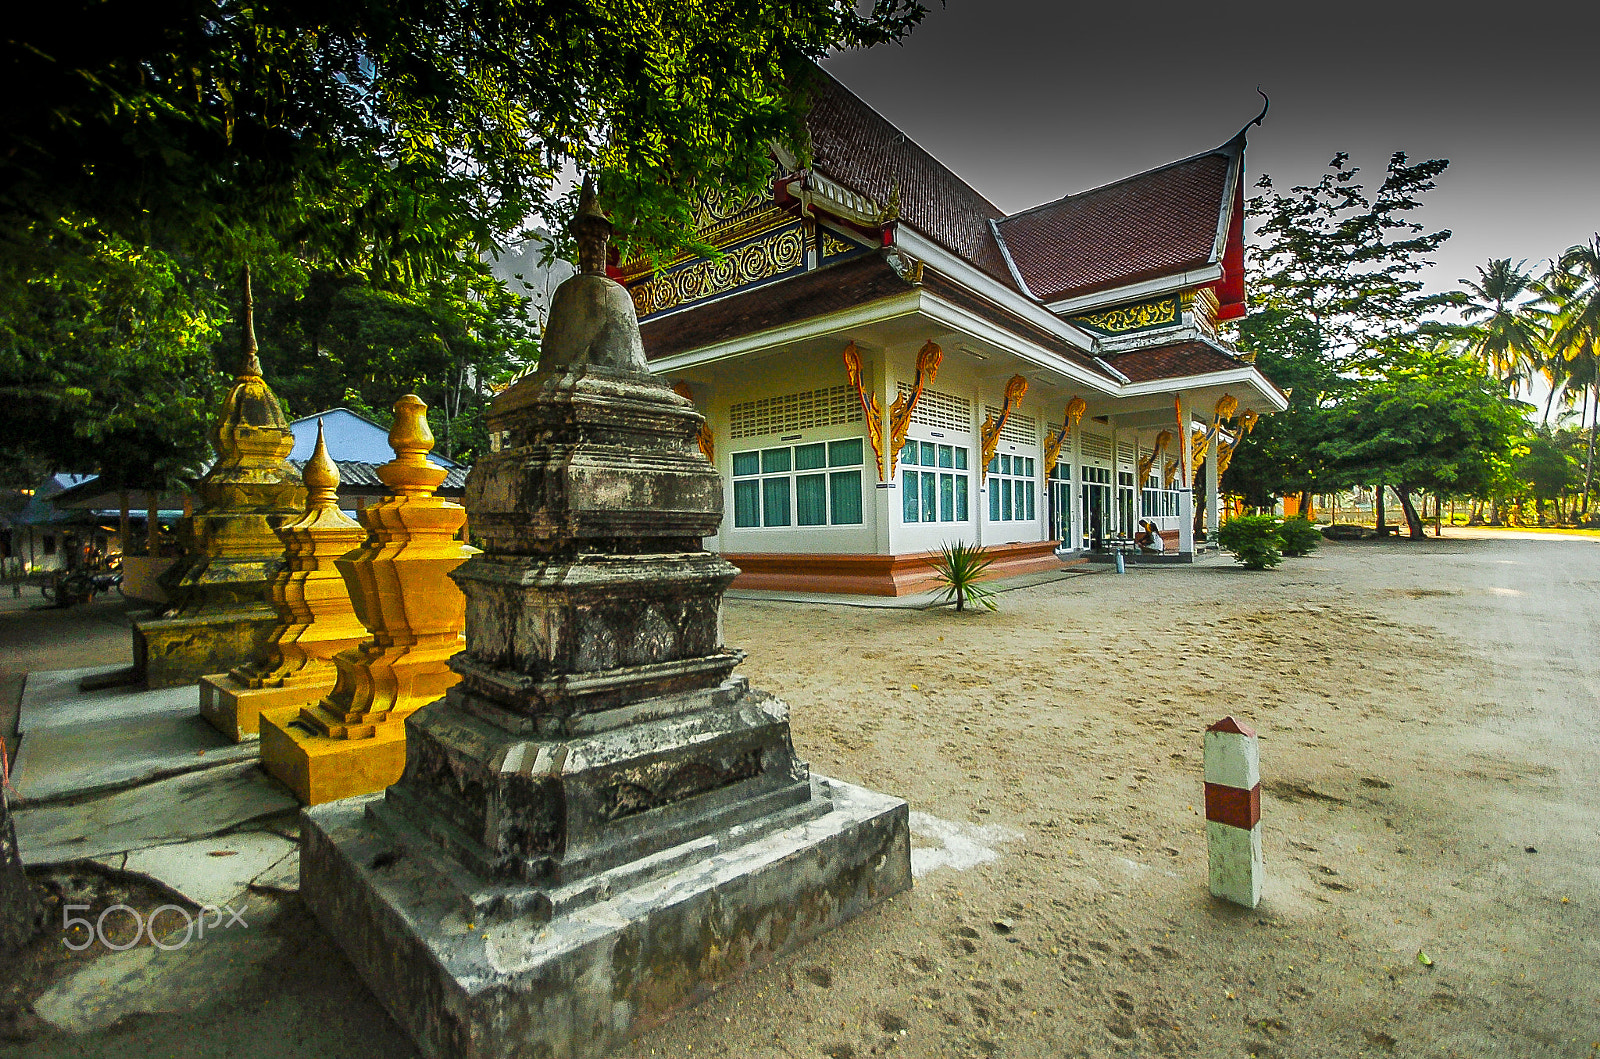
point(1028, 100)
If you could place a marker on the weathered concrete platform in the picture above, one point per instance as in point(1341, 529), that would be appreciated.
point(83, 742)
point(622, 949)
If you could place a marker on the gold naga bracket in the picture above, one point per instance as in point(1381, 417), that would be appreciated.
point(1052, 444)
point(929, 357)
point(1227, 406)
point(1157, 451)
point(1225, 450)
point(1015, 390)
point(871, 407)
point(702, 437)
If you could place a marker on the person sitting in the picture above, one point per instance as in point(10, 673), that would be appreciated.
point(1148, 539)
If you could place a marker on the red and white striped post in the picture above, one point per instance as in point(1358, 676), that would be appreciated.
point(1233, 812)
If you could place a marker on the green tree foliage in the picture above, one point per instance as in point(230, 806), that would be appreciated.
point(1335, 294)
point(1504, 331)
point(390, 141)
point(1435, 423)
point(1346, 262)
point(106, 363)
point(342, 340)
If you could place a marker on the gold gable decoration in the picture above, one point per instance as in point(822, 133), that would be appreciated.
point(1139, 317)
point(772, 254)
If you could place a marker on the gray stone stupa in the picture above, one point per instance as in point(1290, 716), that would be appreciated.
point(600, 823)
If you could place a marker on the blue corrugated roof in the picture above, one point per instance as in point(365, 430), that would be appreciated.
point(350, 436)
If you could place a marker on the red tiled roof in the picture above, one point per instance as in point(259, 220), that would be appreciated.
point(1157, 223)
point(861, 149)
point(826, 290)
point(1172, 361)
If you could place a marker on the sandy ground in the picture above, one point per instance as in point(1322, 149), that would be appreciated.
point(1430, 766)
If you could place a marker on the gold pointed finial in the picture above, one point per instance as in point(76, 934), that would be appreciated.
point(249, 361)
point(410, 473)
point(321, 476)
point(593, 231)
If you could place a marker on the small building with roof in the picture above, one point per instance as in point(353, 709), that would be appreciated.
point(888, 362)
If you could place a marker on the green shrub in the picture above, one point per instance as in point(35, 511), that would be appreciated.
point(1254, 540)
point(959, 568)
point(1300, 537)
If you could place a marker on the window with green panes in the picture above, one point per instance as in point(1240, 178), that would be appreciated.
point(798, 485)
point(934, 483)
point(1011, 489)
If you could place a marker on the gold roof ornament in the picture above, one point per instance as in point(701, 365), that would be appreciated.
point(321, 476)
point(410, 473)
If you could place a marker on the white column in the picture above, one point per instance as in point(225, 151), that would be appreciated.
point(885, 499)
point(1185, 484)
point(1213, 497)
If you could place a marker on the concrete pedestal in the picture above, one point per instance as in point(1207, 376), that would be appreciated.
point(169, 652)
point(610, 955)
point(319, 768)
point(235, 709)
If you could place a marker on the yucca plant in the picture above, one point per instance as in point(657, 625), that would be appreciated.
point(959, 568)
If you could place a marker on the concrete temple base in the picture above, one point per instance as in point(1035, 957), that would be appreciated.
point(168, 652)
point(320, 769)
point(235, 709)
point(618, 952)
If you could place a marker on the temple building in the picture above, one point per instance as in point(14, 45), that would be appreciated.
point(888, 362)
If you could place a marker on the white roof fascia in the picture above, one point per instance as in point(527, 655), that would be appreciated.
point(1147, 289)
point(1225, 218)
point(1106, 365)
point(958, 318)
point(982, 283)
point(883, 309)
point(1243, 374)
point(1005, 252)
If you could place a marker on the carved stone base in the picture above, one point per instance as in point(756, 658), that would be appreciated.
point(618, 953)
point(621, 784)
point(318, 769)
point(168, 652)
point(235, 710)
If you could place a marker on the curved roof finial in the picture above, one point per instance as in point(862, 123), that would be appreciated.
point(1266, 103)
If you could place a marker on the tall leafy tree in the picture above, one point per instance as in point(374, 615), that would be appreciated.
point(386, 138)
point(1434, 423)
point(1335, 294)
point(1347, 261)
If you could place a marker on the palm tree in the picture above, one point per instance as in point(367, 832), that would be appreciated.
point(1575, 289)
point(1505, 303)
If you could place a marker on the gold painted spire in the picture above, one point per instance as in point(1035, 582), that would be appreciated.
point(410, 473)
point(249, 361)
point(321, 476)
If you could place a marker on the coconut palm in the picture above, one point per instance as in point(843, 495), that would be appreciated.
point(1504, 315)
point(1575, 290)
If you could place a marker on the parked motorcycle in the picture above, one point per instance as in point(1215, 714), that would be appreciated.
point(81, 586)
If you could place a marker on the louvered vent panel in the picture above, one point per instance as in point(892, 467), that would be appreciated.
point(1019, 429)
point(833, 406)
point(945, 411)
